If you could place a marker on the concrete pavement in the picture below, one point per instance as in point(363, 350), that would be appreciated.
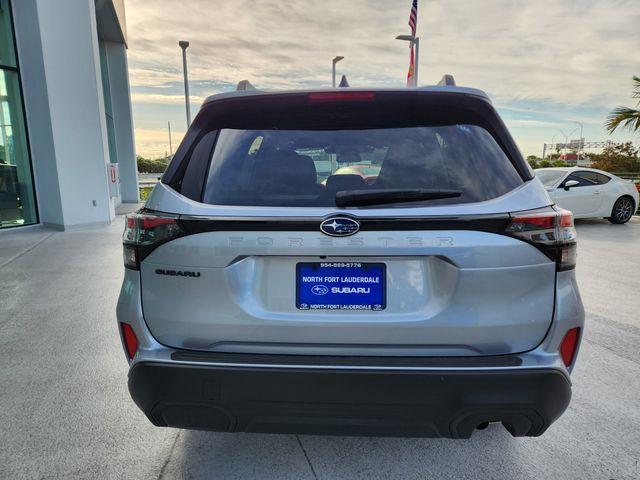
point(66, 412)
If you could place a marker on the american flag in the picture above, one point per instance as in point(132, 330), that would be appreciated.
point(413, 22)
point(413, 17)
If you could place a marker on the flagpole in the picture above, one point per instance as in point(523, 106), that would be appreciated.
point(416, 62)
point(414, 44)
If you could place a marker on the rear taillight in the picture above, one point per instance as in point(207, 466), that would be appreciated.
point(144, 231)
point(130, 340)
point(569, 346)
point(549, 229)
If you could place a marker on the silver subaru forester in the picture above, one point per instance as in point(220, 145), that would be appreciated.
point(354, 262)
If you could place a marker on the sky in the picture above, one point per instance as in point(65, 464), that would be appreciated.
point(545, 64)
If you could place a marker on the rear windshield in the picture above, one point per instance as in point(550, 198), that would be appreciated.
point(294, 168)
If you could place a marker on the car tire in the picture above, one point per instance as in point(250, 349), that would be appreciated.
point(622, 210)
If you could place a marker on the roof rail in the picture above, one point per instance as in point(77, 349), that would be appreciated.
point(244, 85)
point(447, 81)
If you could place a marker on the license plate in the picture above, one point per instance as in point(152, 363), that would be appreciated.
point(341, 286)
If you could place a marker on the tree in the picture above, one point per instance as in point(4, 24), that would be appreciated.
point(534, 161)
point(152, 166)
point(628, 118)
point(617, 158)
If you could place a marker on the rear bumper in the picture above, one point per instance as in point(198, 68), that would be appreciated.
point(330, 400)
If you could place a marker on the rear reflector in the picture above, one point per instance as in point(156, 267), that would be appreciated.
point(341, 97)
point(130, 340)
point(569, 345)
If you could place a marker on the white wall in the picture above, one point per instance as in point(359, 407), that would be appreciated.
point(74, 90)
point(123, 121)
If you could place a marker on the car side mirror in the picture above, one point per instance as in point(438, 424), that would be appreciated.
point(570, 183)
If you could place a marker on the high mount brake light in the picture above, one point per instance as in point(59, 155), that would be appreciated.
point(341, 97)
point(549, 229)
point(144, 231)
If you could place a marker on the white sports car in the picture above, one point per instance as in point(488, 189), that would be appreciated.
point(590, 193)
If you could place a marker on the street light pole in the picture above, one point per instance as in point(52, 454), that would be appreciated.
point(581, 139)
point(566, 138)
point(334, 61)
point(183, 46)
point(553, 142)
point(415, 42)
point(581, 129)
point(170, 145)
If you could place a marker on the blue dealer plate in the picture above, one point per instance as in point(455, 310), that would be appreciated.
point(340, 286)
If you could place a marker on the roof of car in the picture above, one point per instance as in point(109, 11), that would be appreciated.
point(435, 88)
point(573, 169)
point(561, 169)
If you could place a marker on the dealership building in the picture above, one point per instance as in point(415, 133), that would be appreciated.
point(67, 154)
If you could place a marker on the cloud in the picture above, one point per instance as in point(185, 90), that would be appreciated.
point(524, 122)
point(152, 143)
point(161, 99)
point(562, 55)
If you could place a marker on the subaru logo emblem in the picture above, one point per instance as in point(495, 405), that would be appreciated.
point(320, 289)
point(339, 226)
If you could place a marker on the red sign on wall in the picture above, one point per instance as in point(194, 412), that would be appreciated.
point(113, 176)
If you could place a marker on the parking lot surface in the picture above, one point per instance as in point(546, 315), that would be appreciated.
point(66, 412)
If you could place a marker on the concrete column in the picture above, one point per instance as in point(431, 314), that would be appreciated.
point(123, 121)
point(71, 64)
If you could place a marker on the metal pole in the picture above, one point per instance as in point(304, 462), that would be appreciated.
point(416, 62)
point(183, 46)
point(580, 147)
point(333, 83)
point(335, 60)
point(170, 146)
point(566, 140)
point(544, 150)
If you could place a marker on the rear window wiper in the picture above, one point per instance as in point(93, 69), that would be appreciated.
point(360, 198)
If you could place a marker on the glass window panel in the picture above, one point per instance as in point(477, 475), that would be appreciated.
point(582, 182)
point(7, 52)
point(108, 107)
point(17, 201)
point(308, 167)
point(550, 177)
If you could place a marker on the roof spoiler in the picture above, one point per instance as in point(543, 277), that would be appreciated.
point(447, 81)
point(244, 85)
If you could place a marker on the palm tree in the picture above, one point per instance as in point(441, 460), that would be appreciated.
point(626, 117)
